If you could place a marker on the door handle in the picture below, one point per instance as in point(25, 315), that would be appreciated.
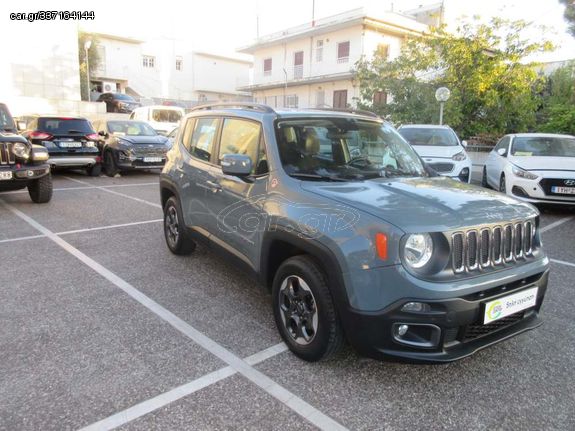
point(214, 187)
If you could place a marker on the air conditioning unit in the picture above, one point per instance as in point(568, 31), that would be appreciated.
point(108, 87)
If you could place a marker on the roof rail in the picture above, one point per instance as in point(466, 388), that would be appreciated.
point(350, 110)
point(239, 105)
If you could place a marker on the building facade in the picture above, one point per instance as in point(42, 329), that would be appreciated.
point(166, 70)
point(311, 66)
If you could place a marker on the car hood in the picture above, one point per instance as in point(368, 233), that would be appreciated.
point(532, 163)
point(150, 140)
point(437, 151)
point(425, 204)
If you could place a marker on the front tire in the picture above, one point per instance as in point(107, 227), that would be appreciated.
point(304, 311)
point(502, 184)
point(177, 238)
point(40, 190)
point(484, 178)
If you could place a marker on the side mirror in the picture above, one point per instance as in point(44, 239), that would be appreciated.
point(21, 125)
point(103, 133)
point(502, 152)
point(464, 143)
point(238, 165)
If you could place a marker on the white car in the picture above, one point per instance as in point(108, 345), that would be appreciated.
point(534, 167)
point(163, 119)
point(440, 148)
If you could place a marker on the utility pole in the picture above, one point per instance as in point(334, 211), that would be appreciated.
point(313, 13)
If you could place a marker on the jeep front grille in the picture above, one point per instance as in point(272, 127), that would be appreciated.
point(6, 154)
point(476, 249)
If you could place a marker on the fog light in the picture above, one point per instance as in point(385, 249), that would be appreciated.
point(402, 330)
point(415, 307)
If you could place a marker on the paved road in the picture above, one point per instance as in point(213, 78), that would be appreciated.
point(99, 322)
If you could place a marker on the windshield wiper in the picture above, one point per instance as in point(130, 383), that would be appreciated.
point(389, 171)
point(317, 177)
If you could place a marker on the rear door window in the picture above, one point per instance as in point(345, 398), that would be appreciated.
point(203, 138)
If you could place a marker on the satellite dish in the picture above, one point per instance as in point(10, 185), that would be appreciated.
point(442, 94)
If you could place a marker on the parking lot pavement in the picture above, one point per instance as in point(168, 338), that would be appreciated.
point(80, 344)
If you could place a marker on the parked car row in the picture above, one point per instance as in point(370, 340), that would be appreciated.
point(114, 145)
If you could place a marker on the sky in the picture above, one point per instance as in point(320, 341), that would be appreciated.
point(221, 26)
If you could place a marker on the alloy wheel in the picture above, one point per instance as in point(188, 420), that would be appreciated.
point(298, 309)
point(172, 226)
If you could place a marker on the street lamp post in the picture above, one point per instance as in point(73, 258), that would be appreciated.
point(87, 46)
point(442, 95)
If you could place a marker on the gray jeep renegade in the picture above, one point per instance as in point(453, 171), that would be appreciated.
point(354, 236)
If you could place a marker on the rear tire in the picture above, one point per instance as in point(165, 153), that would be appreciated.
point(177, 238)
point(304, 311)
point(110, 167)
point(40, 190)
point(94, 171)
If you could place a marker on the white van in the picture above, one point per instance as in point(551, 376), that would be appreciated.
point(163, 119)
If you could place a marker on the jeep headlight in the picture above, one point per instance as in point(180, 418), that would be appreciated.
point(21, 150)
point(518, 172)
point(459, 156)
point(417, 250)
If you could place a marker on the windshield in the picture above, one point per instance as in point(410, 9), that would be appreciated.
point(344, 149)
point(130, 128)
point(543, 146)
point(121, 96)
point(6, 121)
point(64, 126)
point(166, 116)
point(429, 136)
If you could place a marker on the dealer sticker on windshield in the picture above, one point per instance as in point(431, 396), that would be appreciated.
point(502, 307)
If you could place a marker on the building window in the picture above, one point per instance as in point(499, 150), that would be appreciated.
point(267, 67)
point(379, 98)
point(298, 65)
point(340, 99)
point(319, 51)
point(320, 99)
point(148, 61)
point(382, 51)
point(343, 52)
point(291, 101)
point(179, 63)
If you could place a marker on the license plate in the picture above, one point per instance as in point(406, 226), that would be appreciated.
point(563, 190)
point(6, 175)
point(511, 304)
point(152, 159)
point(70, 144)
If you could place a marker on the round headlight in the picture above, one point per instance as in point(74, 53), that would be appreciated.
point(418, 250)
point(21, 150)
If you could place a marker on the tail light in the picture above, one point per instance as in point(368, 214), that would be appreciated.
point(93, 137)
point(40, 135)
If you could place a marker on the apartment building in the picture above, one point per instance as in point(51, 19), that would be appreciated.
point(166, 69)
point(312, 65)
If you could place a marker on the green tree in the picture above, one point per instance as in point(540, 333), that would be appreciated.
point(569, 14)
point(492, 90)
point(558, 111)
point(93, 60)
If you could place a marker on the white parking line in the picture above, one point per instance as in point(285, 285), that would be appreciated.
point(298, 405)
point(60, 189)
point(156, 205)
point(182, 391)
point(562, 262)
point(555, 224)
point(90, 229)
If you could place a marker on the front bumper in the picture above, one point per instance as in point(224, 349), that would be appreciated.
point(138, 163)
point(531, 191)
point(22, 174)
point(450, 330)
point(457, 172)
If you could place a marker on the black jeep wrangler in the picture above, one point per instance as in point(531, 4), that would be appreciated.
point(21, 163)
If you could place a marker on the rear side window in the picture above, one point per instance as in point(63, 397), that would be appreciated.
point(203, 138)
point(240, 137)
point(62, 126)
